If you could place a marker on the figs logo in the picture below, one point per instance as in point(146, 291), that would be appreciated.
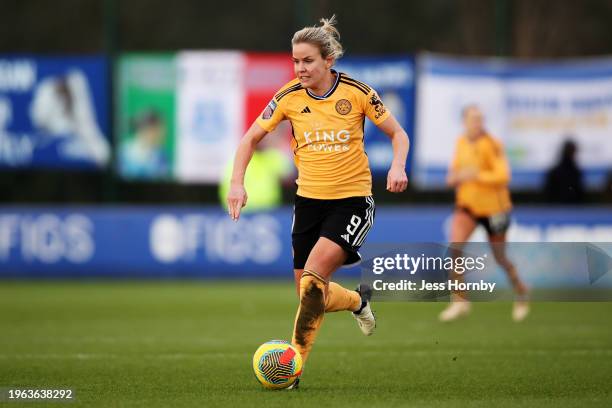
point(192, 238)
point(167, 238)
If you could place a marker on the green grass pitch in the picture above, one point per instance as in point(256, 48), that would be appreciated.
point(189, 344)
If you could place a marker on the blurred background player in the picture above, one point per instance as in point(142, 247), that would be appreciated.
point(334, 208)
point(481, 174)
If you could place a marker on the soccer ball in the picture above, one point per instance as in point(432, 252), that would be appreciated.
point(277, 364)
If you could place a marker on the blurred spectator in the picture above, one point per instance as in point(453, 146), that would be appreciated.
point(564, 180)
point(263, 180)
point(144, 155)
point(607, 192)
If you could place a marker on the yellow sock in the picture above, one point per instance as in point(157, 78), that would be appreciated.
point(339, 298)
point(310, 312)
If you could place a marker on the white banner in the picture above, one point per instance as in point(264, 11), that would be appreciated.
point(533, 108)
point(210, 109)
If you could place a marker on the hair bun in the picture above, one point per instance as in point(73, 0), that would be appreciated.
point(325, 37)
point(329, 25)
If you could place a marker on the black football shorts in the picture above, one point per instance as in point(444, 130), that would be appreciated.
point(496, 224)
point(345, 221)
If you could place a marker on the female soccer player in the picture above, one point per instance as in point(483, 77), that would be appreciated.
point(334, 209)
point(480, 173)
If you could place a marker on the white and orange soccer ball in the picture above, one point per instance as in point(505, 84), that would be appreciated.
point(277, 364)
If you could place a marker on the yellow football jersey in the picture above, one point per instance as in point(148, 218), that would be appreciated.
point(328, 135)
point(488, 194)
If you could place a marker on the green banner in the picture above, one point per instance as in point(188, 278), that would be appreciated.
point(146, 116)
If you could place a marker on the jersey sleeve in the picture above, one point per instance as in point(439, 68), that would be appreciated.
point(499, 169)
point(374, 108)
point(271, 116)
point(454, 164)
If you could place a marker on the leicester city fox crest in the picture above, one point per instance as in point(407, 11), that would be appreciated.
point(343, 106)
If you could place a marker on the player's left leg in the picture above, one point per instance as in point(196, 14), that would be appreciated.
point(348, 225)
point(337, 298)
point(521, 305)
point(324, 259)
point(340, 299)
point(463, 225)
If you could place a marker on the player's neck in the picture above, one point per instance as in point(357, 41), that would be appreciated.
point(325, 84)
point(476, 136)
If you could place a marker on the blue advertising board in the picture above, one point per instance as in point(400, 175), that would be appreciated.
point(54, 112)
point(533, 108)
point(393, 78)
point(202, 242)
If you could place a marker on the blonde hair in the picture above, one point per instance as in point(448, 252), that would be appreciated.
point(326, 37)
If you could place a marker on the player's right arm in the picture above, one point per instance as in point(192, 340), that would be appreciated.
point(272, 115)
point(452, 179)
point(237, 195)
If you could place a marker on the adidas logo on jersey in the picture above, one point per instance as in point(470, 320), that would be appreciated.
point(345, 237)
point(305, 110)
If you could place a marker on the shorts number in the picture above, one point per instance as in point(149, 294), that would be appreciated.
point(354, 224)
point(499, 222)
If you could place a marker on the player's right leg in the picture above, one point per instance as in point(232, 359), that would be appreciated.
point(462, 226)
point(326, 256)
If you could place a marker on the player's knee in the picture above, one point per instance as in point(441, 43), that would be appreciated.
point(503, 261)
point(312, 281)
point(312, 290)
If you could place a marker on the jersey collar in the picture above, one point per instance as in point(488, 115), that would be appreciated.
point(331, 90)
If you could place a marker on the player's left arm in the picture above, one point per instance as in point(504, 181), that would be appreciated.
point(498, 172)
point(397, 181)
